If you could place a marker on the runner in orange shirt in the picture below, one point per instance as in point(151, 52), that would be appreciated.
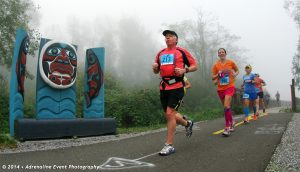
point(225, 71)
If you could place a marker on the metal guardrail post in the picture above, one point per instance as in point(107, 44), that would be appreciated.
point(293, 96)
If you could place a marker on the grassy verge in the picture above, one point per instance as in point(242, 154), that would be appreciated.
point(122, 130)
point(298, 108)
point(288, 110)
point(7, 142)
point(207, 114)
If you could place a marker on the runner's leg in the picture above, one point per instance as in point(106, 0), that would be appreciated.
point(222, 99)
point(256, 105)
point(227, 110)
point(171, 125)
point(180, 120)
point(263, 105)
point(246, 109)
point(262, 102)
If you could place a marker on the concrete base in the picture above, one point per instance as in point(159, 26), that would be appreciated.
point(31, 129)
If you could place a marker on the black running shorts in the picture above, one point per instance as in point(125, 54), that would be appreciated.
point(260, 95)
point(171, 98)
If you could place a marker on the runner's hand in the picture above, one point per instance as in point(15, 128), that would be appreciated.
point(234, 74)
point(179, 71)
point(155, 66)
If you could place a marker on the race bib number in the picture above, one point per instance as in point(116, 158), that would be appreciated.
point(224, 80)
point(246, 96)
point(257, 90)
point(167, 59)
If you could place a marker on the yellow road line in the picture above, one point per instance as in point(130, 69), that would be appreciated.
point(240, 123)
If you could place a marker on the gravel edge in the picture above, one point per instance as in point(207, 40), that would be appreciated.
point(41, 145)
point(286, 157)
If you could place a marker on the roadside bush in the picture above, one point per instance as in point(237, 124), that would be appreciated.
point(4, 105)
point(134, 108)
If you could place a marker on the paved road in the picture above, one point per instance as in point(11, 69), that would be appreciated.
point(249, 148)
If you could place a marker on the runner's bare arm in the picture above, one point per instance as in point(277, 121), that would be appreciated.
point(235, 73)
point(155, 68)
point(180, 71)
point(192, 68)
point(235, 70)
point(193, 63)
point(214, 72)
point(255, 80)
point(214, 77)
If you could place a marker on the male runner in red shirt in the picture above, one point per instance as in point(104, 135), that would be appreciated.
point(171, 63)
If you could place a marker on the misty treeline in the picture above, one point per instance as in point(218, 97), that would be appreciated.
point(131, 89)
point(131, 49)
point(203, 36)
point(15, 14)
point(293, 8)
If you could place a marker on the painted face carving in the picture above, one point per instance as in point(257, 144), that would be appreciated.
point(94, 77)
point(21, 65)
point(58, 64)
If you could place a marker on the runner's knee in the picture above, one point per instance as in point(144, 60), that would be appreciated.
point(227, 106)
point(170, 113)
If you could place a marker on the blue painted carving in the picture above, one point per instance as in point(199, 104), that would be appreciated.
point(56, 75)
point(18, 72)
point(94, 83)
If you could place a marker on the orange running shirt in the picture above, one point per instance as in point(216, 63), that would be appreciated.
point(226, 80)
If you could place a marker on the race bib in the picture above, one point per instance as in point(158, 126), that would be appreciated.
point(167, 59)
point(246, 96)
point(257, 90)
point(224, 80)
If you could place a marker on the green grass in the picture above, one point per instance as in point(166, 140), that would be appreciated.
point(207, 114)
point(7, 142)
point(288, 110)
point(298, 108)
point(123, 130)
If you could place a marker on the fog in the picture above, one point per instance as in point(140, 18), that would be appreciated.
point(131, 32)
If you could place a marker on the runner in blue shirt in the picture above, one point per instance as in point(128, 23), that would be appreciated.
point(249, 92)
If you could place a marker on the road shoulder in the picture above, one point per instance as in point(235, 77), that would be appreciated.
point(287, 154)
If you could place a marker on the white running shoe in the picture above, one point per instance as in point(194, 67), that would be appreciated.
point(226, 132)
point(167, 150)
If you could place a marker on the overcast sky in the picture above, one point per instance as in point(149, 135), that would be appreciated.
point(264, 26)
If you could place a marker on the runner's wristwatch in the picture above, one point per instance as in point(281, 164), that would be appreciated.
point(187, 70)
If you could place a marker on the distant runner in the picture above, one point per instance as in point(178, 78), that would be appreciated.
point(249, 93)
point(171, 63)
point(267, 99)
point(260, 92)
point(278, 98)
point(224, 72)
point(187, 84)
